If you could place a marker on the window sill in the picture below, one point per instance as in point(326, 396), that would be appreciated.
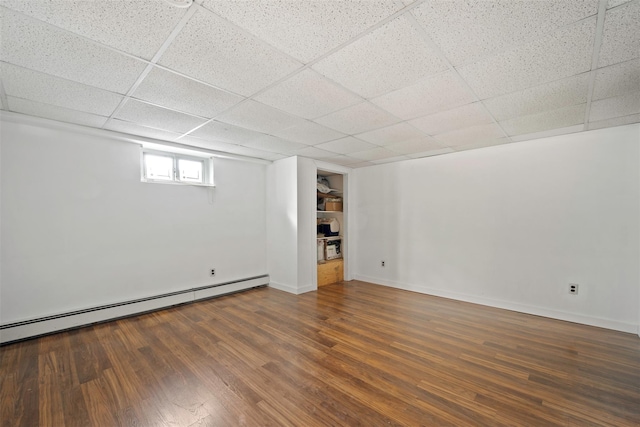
point(193, 184)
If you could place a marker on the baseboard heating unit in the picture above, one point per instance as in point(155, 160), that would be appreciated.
point(18, 331)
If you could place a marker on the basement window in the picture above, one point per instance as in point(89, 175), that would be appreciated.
point(174, 168)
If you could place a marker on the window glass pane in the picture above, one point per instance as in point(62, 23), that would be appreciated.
point(158, 167)
point(190, 170)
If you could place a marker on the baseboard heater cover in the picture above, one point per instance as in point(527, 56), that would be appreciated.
point(32, 328)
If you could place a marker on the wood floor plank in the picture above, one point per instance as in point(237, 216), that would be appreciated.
point(350, 354)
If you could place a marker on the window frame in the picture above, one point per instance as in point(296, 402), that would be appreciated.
point(207, 168)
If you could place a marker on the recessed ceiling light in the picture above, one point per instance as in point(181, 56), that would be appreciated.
point(180, 3)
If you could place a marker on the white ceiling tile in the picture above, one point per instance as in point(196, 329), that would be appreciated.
point(563, 53)
point(225, 132)
point(304, 29)
point(342, 160)
point(391, 134)
point(561, 93)
point(529, 61)
point(456, 118)
point(468, 31)
point(32, 44)
point(28, 84)
point(390, 160)
point(358, 118)
point(470, 135)
point(309, 95)
point(139, 130)
point(254, 152)
point(618, 121)
point(346, 145)
point(483, 144)
point(548, 133)
point(157, 117)
point(429, 153)
point(375, 154)
point(207, 143)
point(215, 51)
point(274, 144)
point(413, 146)
point(619, 106)
point(276, 156)
point(312, 153)
point(309, 133)
point(617, 79)
point(259, 117)
point(614, 3)
point(620, 37)
point(32, 108)
point(430, 95)
point(138, 28)
point(180, 93)
point(561, 117)
point(361, 165)
point(391, 57)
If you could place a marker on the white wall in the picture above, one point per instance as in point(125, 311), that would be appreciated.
point(79, 229)
point(291, 224)
point(307, 208)
point(511, 226)
point(282, 224)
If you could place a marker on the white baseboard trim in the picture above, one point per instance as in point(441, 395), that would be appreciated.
point(283, 287)
point(17, 331)
point(229, 287)
point(307, 288)
point(506, 305)
point(291, 289)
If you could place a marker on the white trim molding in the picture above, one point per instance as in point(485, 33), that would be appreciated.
point(506, 305)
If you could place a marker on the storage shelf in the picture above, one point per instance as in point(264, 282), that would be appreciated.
point(331, 271)
point(329, 238)
point(331, 261)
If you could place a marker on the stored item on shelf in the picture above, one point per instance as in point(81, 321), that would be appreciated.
point(334, 225)
point(333, 204)
point(321, 179)
point(328, 227)
point(321, 250)
point(321, 204)
point(333, 250)
point(325, 230)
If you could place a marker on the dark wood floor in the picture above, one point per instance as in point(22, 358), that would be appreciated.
point(350, 354)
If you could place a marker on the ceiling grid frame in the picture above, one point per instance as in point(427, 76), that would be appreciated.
point(80, 36)
point(406, 11)
point(156, 57)
point(121, 52)
point(454, 70)
point(541, 36)
point(595, 57)
point(3, 97)
point(313, 62)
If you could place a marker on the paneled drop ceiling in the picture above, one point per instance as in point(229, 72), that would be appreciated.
point(354, 83)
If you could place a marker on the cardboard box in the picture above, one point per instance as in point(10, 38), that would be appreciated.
point(334, 204)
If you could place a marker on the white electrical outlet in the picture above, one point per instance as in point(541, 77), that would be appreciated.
point(573, 288)
point(382, 263)
point(213, 271)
